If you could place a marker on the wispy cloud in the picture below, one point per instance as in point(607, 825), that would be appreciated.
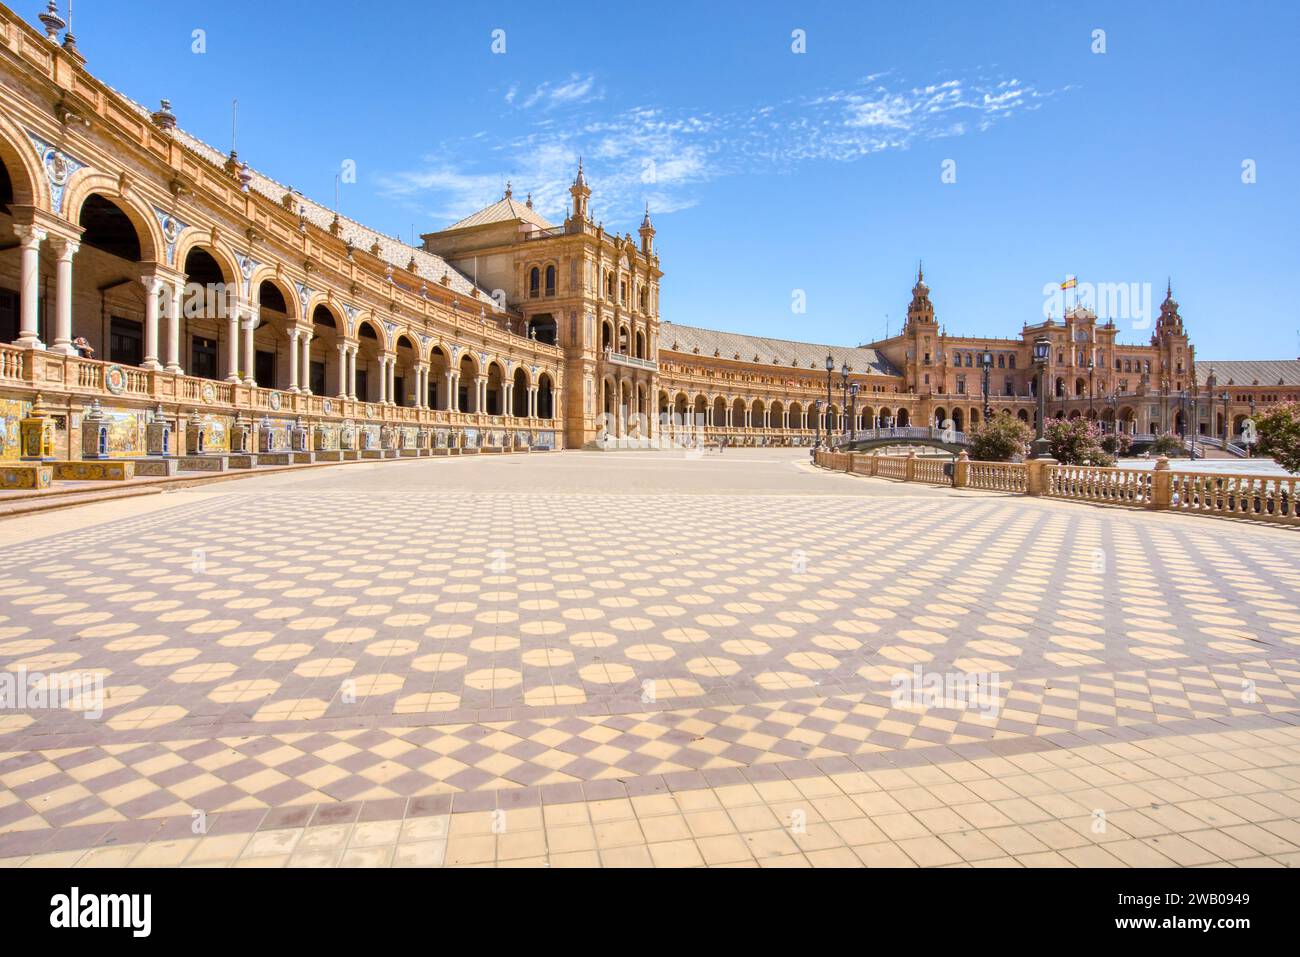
point(576, 89)
point(652, 154)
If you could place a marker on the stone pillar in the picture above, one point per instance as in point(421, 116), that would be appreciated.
point(248, 322)
point(1162, 485)
point(174, 328)
point(30, 238)
point(293, 359)
point(152, 287)
point(343, 370)
point(232, 347)
point(449, 395)
point(1036, 481)
point(961, 471)
point(532, 402)
point(64, 250)
point(304, 364)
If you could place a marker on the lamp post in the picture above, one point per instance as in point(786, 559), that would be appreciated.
point(1041, 448)
point(848, 423)
point(1227, 424)
point(1194, 425)
point(1250, 446)
point(830, 369)
point(986, 361)
point(817, 412)
point(1091, 371)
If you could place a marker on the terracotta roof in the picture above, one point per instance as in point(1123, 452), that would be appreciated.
point(504, 210)
point(786, 353)
point(1249, 371)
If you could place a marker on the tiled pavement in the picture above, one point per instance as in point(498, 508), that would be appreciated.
point(628, 659)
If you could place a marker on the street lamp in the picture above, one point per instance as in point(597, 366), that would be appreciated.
point(1250, 446)
point(848, 423)
point(986, 361)
point(830, 369)
point(1227, 425)
point(1091, 370)
point(1041, 448)
point(817, 412)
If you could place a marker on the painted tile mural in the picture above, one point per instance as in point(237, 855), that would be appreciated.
point(11, 412)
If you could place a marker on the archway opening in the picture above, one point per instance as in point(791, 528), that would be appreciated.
point(543, 329)
point(519, 395)
point(545, 397)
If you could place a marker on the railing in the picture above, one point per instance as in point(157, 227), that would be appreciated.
point(906, 432)
point(11, 364)
point(1264, 498)
point(997, 476)
point(1091, 484)
point(619, 359)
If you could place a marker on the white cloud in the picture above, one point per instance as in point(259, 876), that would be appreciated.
point(649, 153)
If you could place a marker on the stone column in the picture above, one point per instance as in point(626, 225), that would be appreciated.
point(232, 347)
point(64, 250)
point(293, 359)
point(152, 287)
point(30, 237)
point(352, 371)
point(304, 364)
point(174, 328)
point(532, 402)
point(249, 322)
point(343, 370)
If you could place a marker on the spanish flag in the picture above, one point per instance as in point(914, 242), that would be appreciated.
point(1070, 282)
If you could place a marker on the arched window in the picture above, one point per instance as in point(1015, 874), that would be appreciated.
point(534, 282)
point(550, 280)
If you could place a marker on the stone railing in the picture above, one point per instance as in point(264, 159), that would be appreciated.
point(997, 476)
point(1090, 484)
point(68, 384)
point(1264, 498)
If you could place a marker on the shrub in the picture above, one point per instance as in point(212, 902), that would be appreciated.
point(1116, 443)
point(1168, 444)
point(1076, 442)
point(999, 439)
point(1278, 429)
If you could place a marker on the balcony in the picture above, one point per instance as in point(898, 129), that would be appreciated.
point(619, 359)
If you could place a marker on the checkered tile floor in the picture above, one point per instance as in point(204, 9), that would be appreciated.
point(296, 646)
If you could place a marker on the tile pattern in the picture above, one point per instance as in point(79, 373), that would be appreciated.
point(366, 640)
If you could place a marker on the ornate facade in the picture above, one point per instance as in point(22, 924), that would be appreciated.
point(153, 278)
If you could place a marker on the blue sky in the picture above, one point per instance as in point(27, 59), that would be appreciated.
point(769, 171)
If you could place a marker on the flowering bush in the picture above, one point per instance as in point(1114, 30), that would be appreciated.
point(1279, 434)
point(999, 439)
point(1169, 444)
point(1076, 442)
point(1117, 443)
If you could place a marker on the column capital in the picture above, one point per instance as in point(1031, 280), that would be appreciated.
point(64, 247)
point(29, 234)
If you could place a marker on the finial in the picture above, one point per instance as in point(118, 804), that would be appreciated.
point(530, 200)
point(920, 273)
point(52, 22)
point(1169, 288)
point(507, 189)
